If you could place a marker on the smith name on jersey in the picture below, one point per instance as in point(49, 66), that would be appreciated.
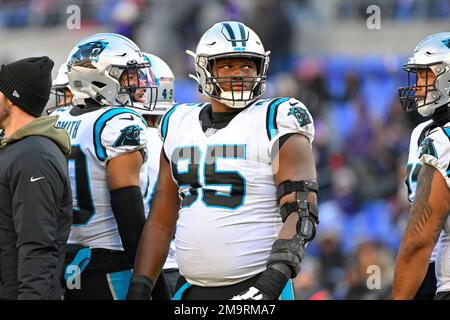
point(229, 217)
point(97, 137)
point(434, 150)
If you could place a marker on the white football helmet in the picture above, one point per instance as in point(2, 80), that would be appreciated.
point(110, 69)
point(59, 92)
point(230, 39)
point(432, 55)
point(60, 84)
point(165, 80)
point(62, 79)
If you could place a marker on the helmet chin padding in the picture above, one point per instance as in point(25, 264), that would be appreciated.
point(426, 110)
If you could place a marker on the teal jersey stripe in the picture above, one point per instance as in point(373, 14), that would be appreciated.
point(119, 283)
point(100, 124)
point(272, 109)
point(288, 292)
point(165, 121)
point(179, 294)
point(447, 131)
point(78, 264)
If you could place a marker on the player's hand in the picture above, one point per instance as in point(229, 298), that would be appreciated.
point(251, 294)
point(140, 288)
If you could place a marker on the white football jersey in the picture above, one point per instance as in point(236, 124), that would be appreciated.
point(434, 150)
point(229, 216)
point(150, 170)
point(414, 164)
point(413, 167)
point(97, 137)
point(149, 177)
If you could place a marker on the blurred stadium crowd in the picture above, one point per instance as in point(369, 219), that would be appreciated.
point(362, 133)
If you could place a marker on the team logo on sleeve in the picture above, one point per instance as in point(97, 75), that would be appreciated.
point(427, 147)
point(301, 115)
point(129, 136)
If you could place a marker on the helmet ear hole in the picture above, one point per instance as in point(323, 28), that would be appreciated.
point(98, 84)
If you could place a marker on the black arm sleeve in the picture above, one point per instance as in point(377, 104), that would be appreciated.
point(128, 208)
point(37, 190)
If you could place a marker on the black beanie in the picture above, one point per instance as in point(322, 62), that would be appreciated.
point(27, 83)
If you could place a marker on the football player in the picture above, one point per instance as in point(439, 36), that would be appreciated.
point(110, 82)
point(239, 176)
point(427, 289)
point(428, 92)
point(165, 80)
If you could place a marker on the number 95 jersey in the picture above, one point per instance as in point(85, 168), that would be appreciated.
point(229, 216)
point(97, 136)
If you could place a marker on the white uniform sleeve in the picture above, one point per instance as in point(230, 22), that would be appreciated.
point(164, 125)
point(413, 165)
point(413, 148)
point(123, 133)
point(291, 116)
point(435, 151)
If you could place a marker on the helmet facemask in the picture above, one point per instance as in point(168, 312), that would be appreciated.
point(63, 95)
point(137, 89)
point(249, 87)
point(430, 97)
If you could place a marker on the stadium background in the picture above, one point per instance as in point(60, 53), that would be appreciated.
point(324, 54)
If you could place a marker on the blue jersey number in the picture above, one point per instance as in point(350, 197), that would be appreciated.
point(85, 210)
point(412, 173)
point(189, 176)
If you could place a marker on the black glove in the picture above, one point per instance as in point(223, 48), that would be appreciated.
point(140, 288)
point(286, 256)
point(268, 286)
